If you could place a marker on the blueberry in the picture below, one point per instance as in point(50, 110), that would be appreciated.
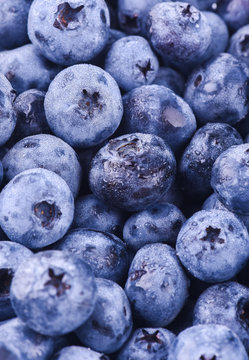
point(8, 116)
point(26, 68)
point(132, 171)
point(218, 91)
point(13, 26)
point(30, 115)
point(179, 33)
point(213, 245)
point(68, 33)
point(225, 304)
point(105, 253)
point(155, 109)
point(110, 324)
point(77, 353)
point(230, 175)
point(83, 105)
point(157, 286)
point(53, 292)
point(239, 44)
point(201, 4)
point(47, 152)
point(234, 12)
point(196, 163)
point(131, 62)
point(11, 256)
point(170, 78)
point(19, 342)
point(158, 223)
point(147, 344)
point(92, 213)
point(207, 342)
point(36, 208)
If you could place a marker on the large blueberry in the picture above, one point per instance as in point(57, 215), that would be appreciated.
point(155, 109)
point(71, 32)
point(47, 152)
point(230, 178)
point(213, 245)
point(158, 223)
point(110, 324)
point(26, 68)
point(218, 91)
point(104, 252)
point(147, 344)
point(83, 105)
point(53, 292)
point(157, 286)
point(225, 304)
point(132, 171)
point(36, 208)
point(131, 62)
point(207, 342)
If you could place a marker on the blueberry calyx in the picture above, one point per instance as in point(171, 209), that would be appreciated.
point(6, 276)
point(149, 338)
point(186, 11)
point(244, 45)
point(198, 80)
point(56, 281)
point(47, 213)
point(145, 69)
point(212, 236)
point(90, 103)
point(138, 274)
point(66, 14)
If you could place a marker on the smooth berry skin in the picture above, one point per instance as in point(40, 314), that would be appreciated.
point(157, 286)
point(30, 115)
point(132, 171)
point(230, 176)
point(110, 324)
point(13, 27)
point(239, 44)
point(217, 91)
point(8, 116)
point(69, 33)
point(131, 62)
point(11, 256)
point(83, 105)
point(92, 213)
point(225, 304)
point(47, 152)
point(155, 109)
point(78, 352)
point(195, 166)
point(19, 342)
point(16, 65)
point(53, 292)
point(186, 37)
point(234, 12)
point(147, 344)
point(158, 223)
point(213, 245)
point(105, 253)
point(204, 342)
point(171, 79)
point(43, 215)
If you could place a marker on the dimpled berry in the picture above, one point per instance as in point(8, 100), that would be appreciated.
point(105, 253)
point(239, 44)
point(230, 178)
point(83, 105)
point(78, 353)
point(53, 292)
point(225, 304)
point(110, 324)
point(131, 62)
point(155, 109)
point(157, 286)
point(207, 342)
point(213, 245)
point(147, 344)
point(132, 171)
point(43, 215)
point(47, 152)
point(71, 32)
point(7, 113)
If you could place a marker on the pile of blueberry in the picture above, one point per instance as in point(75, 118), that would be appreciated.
point(124, 171)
